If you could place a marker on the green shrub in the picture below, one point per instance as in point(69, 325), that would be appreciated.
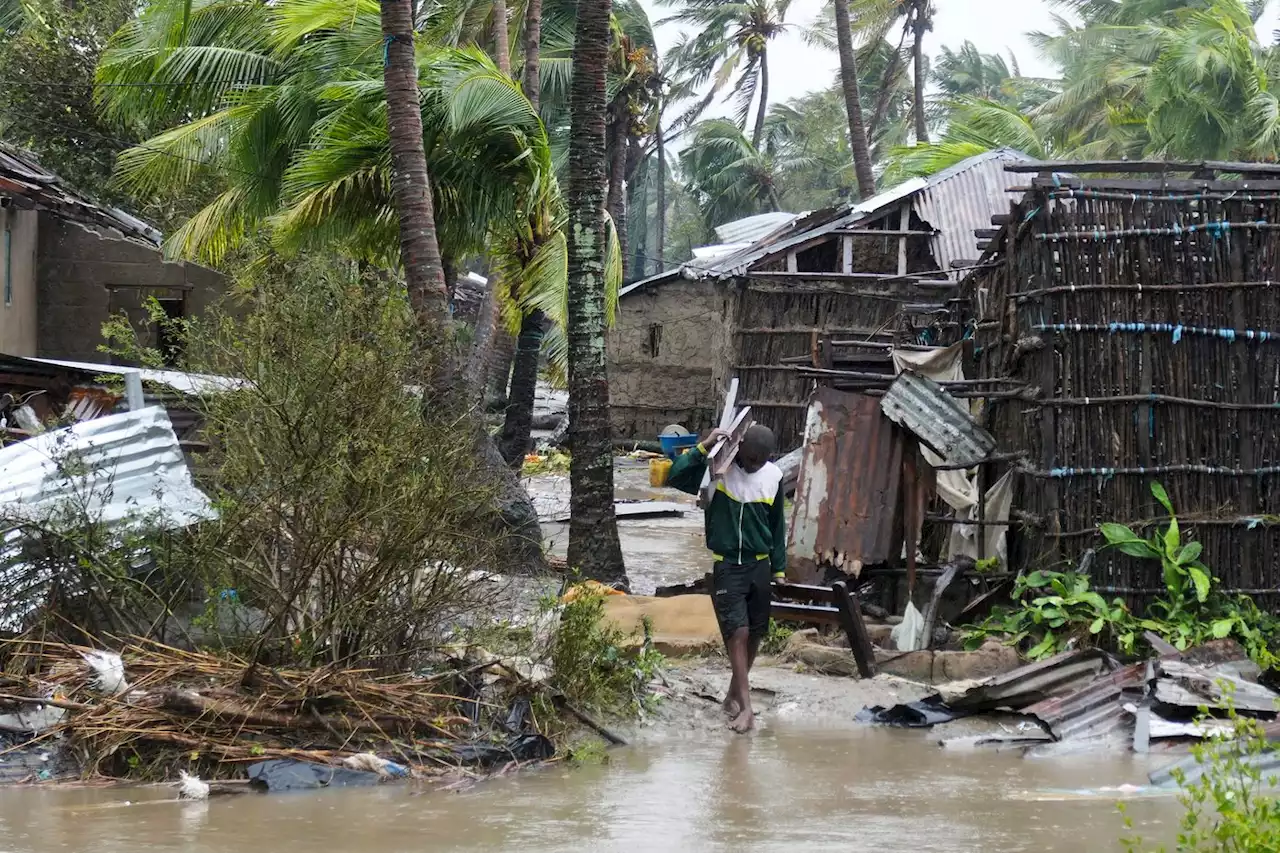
point(1228, 806)
point(589, 665)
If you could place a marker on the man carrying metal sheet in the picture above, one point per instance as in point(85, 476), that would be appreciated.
point(746, 532)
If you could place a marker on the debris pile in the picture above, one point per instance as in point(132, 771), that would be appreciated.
point(216, 714)
point(1084, 699)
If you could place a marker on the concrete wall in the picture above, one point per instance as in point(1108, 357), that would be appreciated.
point(85, 275)
point(18, 314)
point(663, 352)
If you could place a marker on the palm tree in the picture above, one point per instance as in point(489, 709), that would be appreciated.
point(874, 19)
point(593, 530)
point(970, 73)
point(419, 251)
point(975, 126)
point(732, 40)
point(853, 101)
point(728, 176)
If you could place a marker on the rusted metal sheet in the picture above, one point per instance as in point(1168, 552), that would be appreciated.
point(846, 511)
point(1060, 675)
point(1093, 712)
point(939, 420)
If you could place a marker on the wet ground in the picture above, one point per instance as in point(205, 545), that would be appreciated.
point(788, 788)
point(658, 551)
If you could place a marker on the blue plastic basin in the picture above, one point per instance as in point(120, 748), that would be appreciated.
point(674, 445)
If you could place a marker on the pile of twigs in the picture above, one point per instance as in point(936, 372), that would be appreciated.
point(217, 712)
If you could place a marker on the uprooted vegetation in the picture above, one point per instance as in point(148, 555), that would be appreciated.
point(1054, 611)
point(354, 536)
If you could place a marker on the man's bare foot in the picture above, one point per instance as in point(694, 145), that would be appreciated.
point(744, 722)
point(731, 706)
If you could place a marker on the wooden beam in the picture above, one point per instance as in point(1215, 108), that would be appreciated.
point(986, 233)
point(872, 232)
point(851, 620)
point(1003, 219)
point(808, 613)
point(846, 254)
point(792, 265)
point(1144, 166)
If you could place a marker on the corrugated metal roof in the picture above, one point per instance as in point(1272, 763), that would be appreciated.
point(752, 228)
point(847, 491)
point(21, 177)
point(920, 405)
point(961, 199)
point(118, 471)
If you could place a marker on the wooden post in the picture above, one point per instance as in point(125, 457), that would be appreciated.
point(846, 253)
point(792, 265)
point(851, 619)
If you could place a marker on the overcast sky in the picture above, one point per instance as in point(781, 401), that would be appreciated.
point(995, 26)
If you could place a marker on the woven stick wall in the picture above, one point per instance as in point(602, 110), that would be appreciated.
point(1147, 318)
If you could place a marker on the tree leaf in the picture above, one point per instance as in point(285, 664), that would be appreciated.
point(1202, 582)
point(1162, 496)
point(1189, 553)
point(1126, 541)
point(1222, 628)
point(1044, 648)
point(1096, 627)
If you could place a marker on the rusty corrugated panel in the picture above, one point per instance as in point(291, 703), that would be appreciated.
point(1095, 711)
point(939, 420)
point(959, 200)
point(848, 492)
point(1060, 675)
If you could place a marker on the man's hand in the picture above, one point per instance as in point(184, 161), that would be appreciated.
point(713, 438)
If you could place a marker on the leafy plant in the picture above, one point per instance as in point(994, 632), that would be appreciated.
point(590, 666)
point(1227, 804)
point(1192, 609)
point(776, 640)
point(1057, 609)
point(1183, 571)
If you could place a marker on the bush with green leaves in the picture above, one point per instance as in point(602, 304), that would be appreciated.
point(590, 666)
point(1229, 801)
point(1192, 609)
point(1056, 610)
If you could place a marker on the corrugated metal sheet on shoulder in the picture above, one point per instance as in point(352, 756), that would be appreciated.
point(845, 512)
point(939, 420)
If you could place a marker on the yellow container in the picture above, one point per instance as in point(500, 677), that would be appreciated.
point(658, 471)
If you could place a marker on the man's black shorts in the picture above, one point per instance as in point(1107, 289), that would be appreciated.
point(741, 595)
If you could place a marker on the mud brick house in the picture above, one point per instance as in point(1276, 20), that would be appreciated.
point(67, 264)
point(884, 268)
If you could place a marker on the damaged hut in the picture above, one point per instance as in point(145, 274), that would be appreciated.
point(882, 271)
point(1134, 312)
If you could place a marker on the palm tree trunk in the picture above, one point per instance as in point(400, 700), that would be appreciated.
point(518, 426)
point(616, 200)
point(853, 102)
point(758, 133)
point(638, 208)
point(424, 270)
point(593, 530)
point(661, 241)
point(494, 346)
point(501, 39)
point(419, 250)
point(917, 56)
point(518, 421)
point(532, 48)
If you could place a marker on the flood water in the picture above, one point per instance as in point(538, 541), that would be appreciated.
point(786, 789)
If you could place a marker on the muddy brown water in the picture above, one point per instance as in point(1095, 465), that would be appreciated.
point(786, 788)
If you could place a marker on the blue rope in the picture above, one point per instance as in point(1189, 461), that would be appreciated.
point(1176, 330)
